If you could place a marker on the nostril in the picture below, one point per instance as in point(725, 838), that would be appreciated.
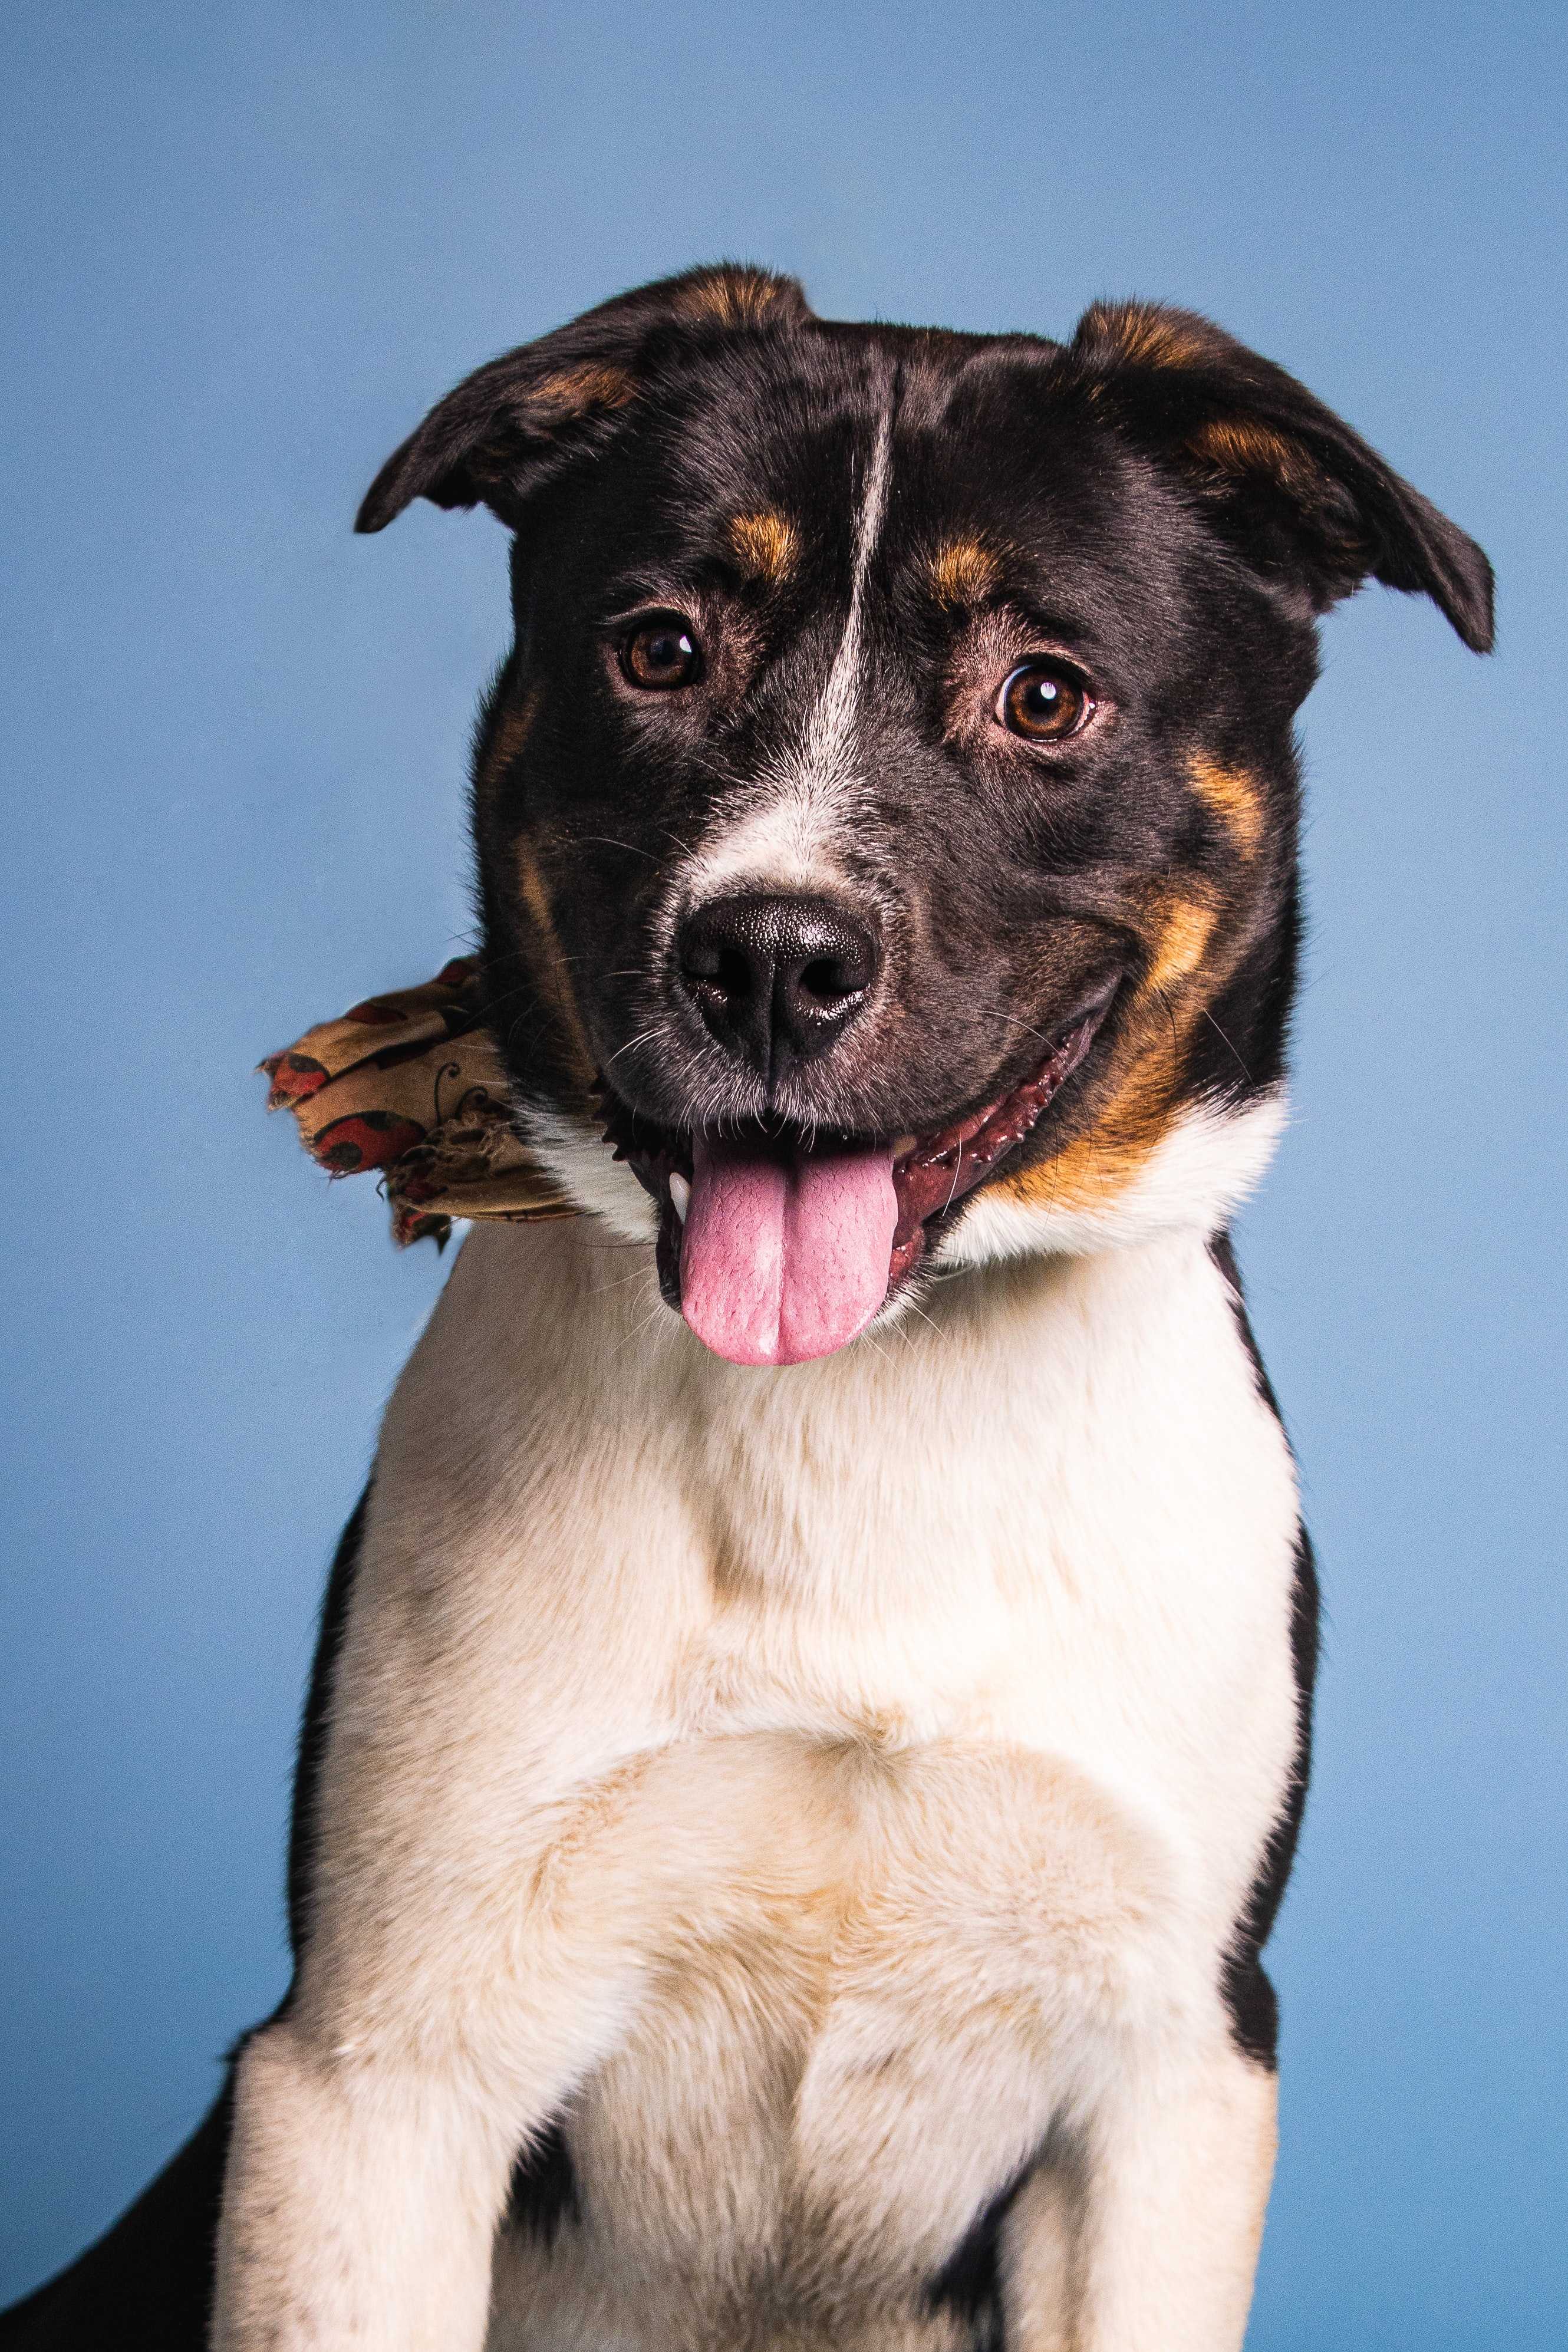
point(830, 979)
point(728, 970)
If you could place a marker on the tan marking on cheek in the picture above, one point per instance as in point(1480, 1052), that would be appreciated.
point(1233, 796)
point(546, 958)
point(1091, 1169)
point(511, 732)
point(550, 965)
point(766, 545)
point(1094, 1168)
point(1185, 938)
point(962, 571)
point(571, 392)
point(1192, 952)
point(548, 962)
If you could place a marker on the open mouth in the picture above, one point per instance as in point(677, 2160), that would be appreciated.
point(777, 1247)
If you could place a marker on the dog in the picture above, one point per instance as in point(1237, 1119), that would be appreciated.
point(813, 1710)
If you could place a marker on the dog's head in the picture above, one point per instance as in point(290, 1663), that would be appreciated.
point(886, 814)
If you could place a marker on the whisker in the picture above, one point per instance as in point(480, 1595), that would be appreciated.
point(637, 1273)
point(608, 841)
point(657, 1030)
point(1224, 1041)
point(646, 1325)
point(914, 1307)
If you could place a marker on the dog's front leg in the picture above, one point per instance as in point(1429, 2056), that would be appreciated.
point(1151, 2242)
point(373, 2136)
point(360, 2204)
point(377, 2119)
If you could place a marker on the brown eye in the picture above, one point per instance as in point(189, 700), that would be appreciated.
point(662, 654)
point(1044, 703)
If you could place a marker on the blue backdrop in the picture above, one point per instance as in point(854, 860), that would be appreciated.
point(250, 244)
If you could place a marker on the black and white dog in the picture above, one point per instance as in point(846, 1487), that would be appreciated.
point(794, 1787)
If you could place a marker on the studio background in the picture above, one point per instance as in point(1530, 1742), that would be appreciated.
point(248, 246)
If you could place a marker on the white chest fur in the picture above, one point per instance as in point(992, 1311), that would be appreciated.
point(770, 1768)
point(1054, 1512)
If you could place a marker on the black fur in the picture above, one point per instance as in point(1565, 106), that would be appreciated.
point(1222, 1249)
point(544, 2191)
point(1249, 1996)
point(969, 2284)
point(314, 1722)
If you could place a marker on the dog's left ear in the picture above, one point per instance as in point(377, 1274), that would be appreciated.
point(1303, 496)
point(512, 425)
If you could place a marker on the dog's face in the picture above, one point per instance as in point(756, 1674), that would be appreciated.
point(886, 814)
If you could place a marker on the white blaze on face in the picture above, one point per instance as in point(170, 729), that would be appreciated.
point(828, 754)
point(784, 1257)
point(804, 797)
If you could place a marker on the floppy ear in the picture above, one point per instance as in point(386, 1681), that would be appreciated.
point(1295, 488)
point(512, 423)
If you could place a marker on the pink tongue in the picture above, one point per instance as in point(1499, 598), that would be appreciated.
point(784, 1260)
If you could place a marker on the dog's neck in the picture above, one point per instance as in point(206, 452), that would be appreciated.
point(880, 1480)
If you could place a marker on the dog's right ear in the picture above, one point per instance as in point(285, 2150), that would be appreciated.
point(511, 425)
point(1301, 494)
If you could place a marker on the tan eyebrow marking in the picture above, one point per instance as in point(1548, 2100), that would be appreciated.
point(1232, 795)
point(962, 571)
point(766, 544)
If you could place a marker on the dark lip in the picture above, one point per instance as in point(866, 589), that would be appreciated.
point(943, 1168)
point(932, 1176)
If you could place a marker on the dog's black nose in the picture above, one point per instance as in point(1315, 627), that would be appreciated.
point(776, 979)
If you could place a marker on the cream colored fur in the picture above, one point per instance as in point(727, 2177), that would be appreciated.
point(830, 1790)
